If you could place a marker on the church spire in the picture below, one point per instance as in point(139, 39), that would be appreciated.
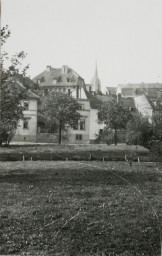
point(96, 83)
point(96, 71)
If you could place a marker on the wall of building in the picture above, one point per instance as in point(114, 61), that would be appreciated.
point(30, 133)
point(95, 127)
point(85, 115)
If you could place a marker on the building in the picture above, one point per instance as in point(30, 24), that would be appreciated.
point(146, 96)
point(27, 128)
point(62, 79)
point(66, 80)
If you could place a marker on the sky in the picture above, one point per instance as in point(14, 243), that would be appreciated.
point(123, 36)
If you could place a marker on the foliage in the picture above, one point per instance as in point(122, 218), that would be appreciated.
point(105, 136)
point(58, 110)
point(139, 131)
point(114, 116)
point(11, 92)
point(157, 120)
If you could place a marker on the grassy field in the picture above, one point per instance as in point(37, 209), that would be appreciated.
point(80, 208)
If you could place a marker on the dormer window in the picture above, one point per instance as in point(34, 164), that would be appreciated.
point(68, 80)
point(54, 81)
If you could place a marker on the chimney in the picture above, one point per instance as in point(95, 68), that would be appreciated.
point(48, 68)
point(64, 69)
point(118, 97)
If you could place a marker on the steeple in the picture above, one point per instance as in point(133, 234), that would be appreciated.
point(96, 83)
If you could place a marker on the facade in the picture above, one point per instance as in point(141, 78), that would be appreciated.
point(27, 128)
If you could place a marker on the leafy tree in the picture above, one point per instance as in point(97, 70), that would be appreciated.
point(139, 131)
point(11, 92)
point(157, 119)
point(115, 116)
point(58, 110)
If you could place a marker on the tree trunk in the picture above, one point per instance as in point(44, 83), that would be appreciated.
point(115, 136)
point(60, 132)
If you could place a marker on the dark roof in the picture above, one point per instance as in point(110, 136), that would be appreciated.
point(97, 100)
point(55, 77)
point(128, 102)
point(32, 95)
point(112, 90)
point(16, 80)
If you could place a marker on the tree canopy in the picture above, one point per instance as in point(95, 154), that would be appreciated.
point(58, 110)
point(138, 131)
point(12, 93)
point(115, 116)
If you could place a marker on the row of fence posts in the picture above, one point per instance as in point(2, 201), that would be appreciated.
point(90, 158)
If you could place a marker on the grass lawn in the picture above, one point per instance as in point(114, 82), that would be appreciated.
point(80, 208)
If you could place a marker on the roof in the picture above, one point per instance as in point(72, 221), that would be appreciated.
point(112, 90)
point(55, 77)
point(32, 95)
point(16, 80)
point(128, 102)
point(141, 85)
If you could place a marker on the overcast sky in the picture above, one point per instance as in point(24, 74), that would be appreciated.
point(125, 36)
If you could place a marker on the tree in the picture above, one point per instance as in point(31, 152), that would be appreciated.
point(11, 93)
point(58, 110)
point(138, 131)
point(115, 116)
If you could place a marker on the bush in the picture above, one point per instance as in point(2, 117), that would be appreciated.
point(132, 138)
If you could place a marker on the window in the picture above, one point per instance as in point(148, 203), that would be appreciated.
point(68, 80)
point(64, 89)
point(26, 105)
point(79, 137)
point(101, 131)
point(131, 109)
point(82, 124)
point(76, 126)
point(26, 123)
point(54, 81)
point(81, 106)
point(69, 92)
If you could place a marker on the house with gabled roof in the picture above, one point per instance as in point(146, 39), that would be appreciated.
point(66, 80)
point(63, 79)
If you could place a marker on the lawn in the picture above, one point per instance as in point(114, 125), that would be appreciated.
point(80, 208)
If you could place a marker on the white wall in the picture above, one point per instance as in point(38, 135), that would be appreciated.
point(94, 125)
point(32, 114)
